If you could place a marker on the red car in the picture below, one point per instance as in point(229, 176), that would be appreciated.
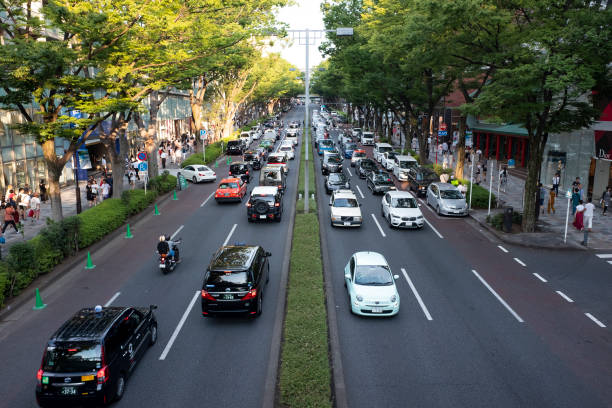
point(230, 189)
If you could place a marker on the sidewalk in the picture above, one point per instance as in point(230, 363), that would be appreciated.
point(550, 227)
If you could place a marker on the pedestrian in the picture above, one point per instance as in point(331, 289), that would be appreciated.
point(91, 198)
point(445, 162)
point(577, 184)
point(477, 176)
point(555, 183)
point(35, 205)
point(462, 188)
point(589, 210)
point(444, 148)
point(42, 189)
point(541, 195)
point(95, 191)
point(484, 168)
point(575, 199)
point(606, 197)
point(104, 164)
point(164, 156)
point(133, 179)
point(478, 154)
point(105, 189)
point(551, 201)
point(9, 218)
point(9, 189)
point(579, 217)
point(444, 177)
point(24, 203)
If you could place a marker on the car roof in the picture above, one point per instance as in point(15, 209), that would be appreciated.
point(445, 186)
point(405, 157)
point(384, 145)
point(400, 194)
point(344, 193)
point(233, 257)
point(238, 162)
point(369, 258)
point(86, 324)
point(229, 180)
point(264, 190)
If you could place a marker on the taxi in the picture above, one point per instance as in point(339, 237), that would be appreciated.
point(230, 189)
point(357, 155)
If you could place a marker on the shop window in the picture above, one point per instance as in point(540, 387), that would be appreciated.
point(31, 173)
point(30, 138)
point(20, 173)
point(30, 150)
point(40, 163)
point(19, 152)
point(9, 174)
point(18, 138)
point(5, 135)
point(39, 151)
point(7, 154)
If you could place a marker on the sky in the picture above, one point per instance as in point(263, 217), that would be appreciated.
point(305, 14)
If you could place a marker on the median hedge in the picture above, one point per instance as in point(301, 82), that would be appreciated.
point(57, 240)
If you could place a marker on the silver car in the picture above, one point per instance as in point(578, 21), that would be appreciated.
point(446, 199)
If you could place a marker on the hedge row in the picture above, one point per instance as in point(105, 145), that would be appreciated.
point(480, 195)
point(497, 221)
point(57, 240)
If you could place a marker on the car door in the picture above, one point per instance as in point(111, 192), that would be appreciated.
point(188, 172)
point(386, 203)
point(126, 339)
point(242, 185)
point(349, 275)
point(139, 326)
point(430, 194)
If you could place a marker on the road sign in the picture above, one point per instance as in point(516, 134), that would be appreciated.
point(202, 134)
point(341, 31)
point(143, 166)
point(142, 156)
point(442, 126)
point(442, 133)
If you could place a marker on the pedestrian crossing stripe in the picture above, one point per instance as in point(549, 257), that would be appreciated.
point(604, 256)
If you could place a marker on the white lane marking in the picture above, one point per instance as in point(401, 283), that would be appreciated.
point(600, 324)
point(179, 326)
point(433, 228)
point(349, 172)
point(502, 248)
point(209, 197)
point(229, 235)
point(539, 277)
point(426, 206)
point(519, 262)
point(176, 232)
point(564, 296)
point(111, 300)
point(416, 295)
point(610, 262)
point(378, 225)
point(359, 190)
point(502, 301)
point(604, 256)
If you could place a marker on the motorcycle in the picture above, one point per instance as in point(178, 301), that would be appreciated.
point(167, 263)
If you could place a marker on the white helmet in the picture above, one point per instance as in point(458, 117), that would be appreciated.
point(162, 238)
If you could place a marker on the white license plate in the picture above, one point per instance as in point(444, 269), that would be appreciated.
point(226, 194)
point(347, 224)
point(377, 310)
point(69, 391)
point(228, 297)
point(162, 265)
point(263, 217)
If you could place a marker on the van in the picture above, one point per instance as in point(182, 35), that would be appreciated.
point(402, 164)
point(246, 138)
point(367, 138)
point(279, 159)
point(273, 176)
point(380, 149)
point(235, 147)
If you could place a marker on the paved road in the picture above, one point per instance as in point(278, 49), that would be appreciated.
point(460, 346)
point(216, 362)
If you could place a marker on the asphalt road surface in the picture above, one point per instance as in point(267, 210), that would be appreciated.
point(205, 362)
point(476, 327)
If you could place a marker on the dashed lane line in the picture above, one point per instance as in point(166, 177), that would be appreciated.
point(502, 248)
point(176, 232)
point(502, 301)
point(229, 235)
point(433, 228)
point(208, 198)
point(520, 262)
point(604, 256)
point(564, 296)
point(111, 300)
point(416, 295)
point(179, 326)
point(359, 190)
point(539, 277)
point(349, 172)
point(597, 322)
point(379, 227)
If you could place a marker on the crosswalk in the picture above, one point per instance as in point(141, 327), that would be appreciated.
point(605, 256)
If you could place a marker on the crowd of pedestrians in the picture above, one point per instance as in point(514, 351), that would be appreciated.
point(176, 149)
point(22, 205)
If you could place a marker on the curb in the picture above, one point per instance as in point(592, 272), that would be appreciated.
point(70, 262)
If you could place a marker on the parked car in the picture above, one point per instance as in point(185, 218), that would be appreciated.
point(367, 138)
point(371, 285)
point(349, 148)
point(345, 210)
point(356, 133)
point(364, 166)
point(265, 203)
point(235, 280)
point(401, 210)
point(380, 149)
point(379, 181)
point(402, 164)
point(336, 181)
point(288, 150)
point(419, 178)
point(230, 189)
point(197, 173)
point(446, 199)
point(253, 158)
point(388, 160)
point(235, 147)
point(331, 163)
point(88, 359)
point(273, 176)
point(357, 155)
point(241, 170)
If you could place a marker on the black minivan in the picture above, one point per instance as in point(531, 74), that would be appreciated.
point(240, 170)
point(234, 281)
point(235, 147)
point(90, 357)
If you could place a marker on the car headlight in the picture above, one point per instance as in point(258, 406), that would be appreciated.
point(359, 298)
point(358, 218)
point(420, 217)
point(335, 218)
point(395, 216)
point(393, 299)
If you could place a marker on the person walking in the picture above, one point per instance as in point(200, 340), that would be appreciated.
point(42, 189)
point(555, 183)
point(589, 211)
point(541, 195)
point(24, 203)
point(9, 218)
point(606, 197)
point(91, 198)
point(579, 217)
point(551, 201)
point(164, 156)
point(575, 199)
point(35, 205)
point(133, 179)
point(105, 189)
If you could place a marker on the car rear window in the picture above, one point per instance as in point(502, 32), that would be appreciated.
point(227, 277)
point(235, 168)
point(359, 154)
point(265, 197)
point(228, 185)
point(233, 143)
point(73, 357)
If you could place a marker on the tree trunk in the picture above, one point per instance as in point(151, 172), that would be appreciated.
point(537, 142)
point(55, 172)
point(460, 163)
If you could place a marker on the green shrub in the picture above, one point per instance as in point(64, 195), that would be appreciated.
point(213, 151)
point(136, 200)
point(21, 266)
point(101, 220)
point(46, 254)
point(497, 221)
point(480, 197)
point(517, 218)
point(4, 282)
point(163, 183)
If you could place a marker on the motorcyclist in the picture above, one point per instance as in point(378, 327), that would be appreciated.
point(166, 246)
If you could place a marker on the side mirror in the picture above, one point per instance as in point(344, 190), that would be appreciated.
point(420, 204)
point(347, 276)
point(396, 277)
point(268, 253)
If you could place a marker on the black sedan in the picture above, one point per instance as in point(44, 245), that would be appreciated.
point(420, 178)
point(364, 166)
point(336, 181)
point(379, 182)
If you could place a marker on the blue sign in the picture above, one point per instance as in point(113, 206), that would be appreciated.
point(442, 132)
point(142, 156)
point(202, 132)
point(143, 166)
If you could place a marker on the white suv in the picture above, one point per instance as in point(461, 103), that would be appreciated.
point(367, 138)
point(345, 210)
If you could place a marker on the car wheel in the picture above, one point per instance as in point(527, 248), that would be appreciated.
point(389, 220)
point(153, 334)
point(194, 179)
point(278, 219)
point(350, 301)
point(120, 387)
point(259, 305)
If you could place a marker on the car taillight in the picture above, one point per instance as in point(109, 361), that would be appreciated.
point(277, 204)
point(247, 173)
point(200, 174)
point(39, 375)
point(207, 296)
point(251, 294)
point(101, 375)
point(248, 204)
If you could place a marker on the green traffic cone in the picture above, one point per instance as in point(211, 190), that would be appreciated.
point(216, 164)
point(39, 303)
point(90, 264)
point(174, 196)
point(229, 160)
point(156, 212)
point(128, 233)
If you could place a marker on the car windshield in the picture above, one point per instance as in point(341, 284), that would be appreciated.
point(367, 164)
point(73, 357)
point(233, 143)
point(334, 159)
point(404, 202)
point(374, 275)
point(391, 155)
point(272, 174)
point(345, 202)
point(384, 149)
point(228, 185)
point(351, 146)
point(451, 194)
point(326, 143)
point(426, 176)
point(248, 156)
point(286, 149)
point(356, 129)
point(237, 168)
point(406, 164)
point(227, 277)
point(337, 178)
point(382, 178)
point(368, 135)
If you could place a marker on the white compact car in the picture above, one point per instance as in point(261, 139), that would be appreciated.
point(345, 210)
point(288, 150)
point(356, 132)
point(388, 160)
point(367, 138)
point(380, 149)
point(371, 285)
point(198, 172)
point(401, 210)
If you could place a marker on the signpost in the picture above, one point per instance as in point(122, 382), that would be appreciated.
point(182, 181)
point(143, 171)
point(142, 156)
point(568, 195)
point(203, 137)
